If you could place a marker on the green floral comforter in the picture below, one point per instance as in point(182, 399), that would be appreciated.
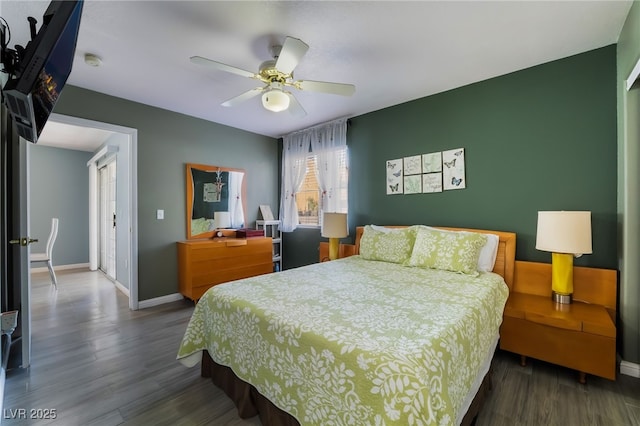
point(353, 341)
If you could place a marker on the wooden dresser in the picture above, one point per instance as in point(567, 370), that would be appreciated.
point(205, 263)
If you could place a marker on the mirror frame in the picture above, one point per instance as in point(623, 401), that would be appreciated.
point(189, 184)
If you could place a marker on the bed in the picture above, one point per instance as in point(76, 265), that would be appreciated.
point(383, 337)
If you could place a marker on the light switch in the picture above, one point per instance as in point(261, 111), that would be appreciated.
point(160, 214)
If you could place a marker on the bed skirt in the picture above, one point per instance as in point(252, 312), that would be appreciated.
point(250, 402)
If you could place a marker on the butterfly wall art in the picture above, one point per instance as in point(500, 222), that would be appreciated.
point(395, 178)
point(426, 173)
point(453, 174)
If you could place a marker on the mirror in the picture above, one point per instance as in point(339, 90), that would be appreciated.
point(214, 192)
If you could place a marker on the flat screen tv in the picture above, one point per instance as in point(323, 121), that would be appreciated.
point(43, 69)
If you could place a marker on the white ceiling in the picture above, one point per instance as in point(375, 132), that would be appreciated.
point(71, 136)
point(393, 52)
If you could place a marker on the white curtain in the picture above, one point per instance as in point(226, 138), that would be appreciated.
point(294, 166)
point(329, 144)
point(235, 199)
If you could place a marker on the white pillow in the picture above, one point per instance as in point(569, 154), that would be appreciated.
point(381, 228)
point(488, 253)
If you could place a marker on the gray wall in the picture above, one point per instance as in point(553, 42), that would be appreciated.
point(166, 142)
point(59, 181)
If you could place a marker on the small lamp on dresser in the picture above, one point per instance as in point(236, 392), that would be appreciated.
point(221, 220)
point(334, 227)
point(565, 234)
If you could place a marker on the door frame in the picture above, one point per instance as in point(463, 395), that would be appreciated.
point(132, 150)
point(628, 161)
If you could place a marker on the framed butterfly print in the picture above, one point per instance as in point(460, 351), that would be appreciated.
point(453, 176)
point(395, 177)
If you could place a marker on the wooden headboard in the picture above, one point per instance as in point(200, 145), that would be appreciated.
point(505, 260)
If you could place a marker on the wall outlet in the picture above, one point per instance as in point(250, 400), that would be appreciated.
point(160, 214)
point(9, 321)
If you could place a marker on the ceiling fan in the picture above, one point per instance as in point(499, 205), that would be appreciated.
point(277, 74)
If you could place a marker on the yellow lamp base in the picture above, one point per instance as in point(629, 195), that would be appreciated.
point(334, 244)
point(561, 277)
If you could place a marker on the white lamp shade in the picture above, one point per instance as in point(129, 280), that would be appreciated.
point(275, 100)
point(334, 225)
point(564, 232)
point(221, 220)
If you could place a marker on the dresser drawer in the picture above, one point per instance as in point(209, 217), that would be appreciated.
point(205, 263)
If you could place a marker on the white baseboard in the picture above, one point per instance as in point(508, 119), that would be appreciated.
point(630, 369)
point(121, 287)
point(61, 267)
point(159, 300)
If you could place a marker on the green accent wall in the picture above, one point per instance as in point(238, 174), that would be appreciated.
point(628, 55)
point(166, 142)
point(543, 138)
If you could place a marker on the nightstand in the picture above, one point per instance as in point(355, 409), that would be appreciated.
point(344, 250)
point(581, 335)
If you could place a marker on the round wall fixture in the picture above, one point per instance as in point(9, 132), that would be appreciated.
point(91, 59)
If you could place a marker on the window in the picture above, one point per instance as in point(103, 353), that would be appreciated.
point(314, 174)
point(310, 200)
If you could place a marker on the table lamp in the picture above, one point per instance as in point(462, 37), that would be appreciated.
point(221, 220)
point(334, 227)
point(565, 234)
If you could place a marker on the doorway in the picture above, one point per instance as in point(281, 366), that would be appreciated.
point(118, 156)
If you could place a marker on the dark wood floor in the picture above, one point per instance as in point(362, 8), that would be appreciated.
point(96, 363)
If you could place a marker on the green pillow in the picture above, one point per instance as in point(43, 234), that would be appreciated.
point(456, 251)
point(394, 245)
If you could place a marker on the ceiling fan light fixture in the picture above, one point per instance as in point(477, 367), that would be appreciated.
point(275, 100)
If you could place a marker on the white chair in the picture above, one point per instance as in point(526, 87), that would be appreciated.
point(48, 255)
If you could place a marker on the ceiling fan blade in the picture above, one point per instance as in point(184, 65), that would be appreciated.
point(295, 108)
point(223, 67)
point(243, 97)
point(292, 51)
point(326, 87)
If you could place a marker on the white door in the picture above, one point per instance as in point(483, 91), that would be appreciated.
point(108, 219)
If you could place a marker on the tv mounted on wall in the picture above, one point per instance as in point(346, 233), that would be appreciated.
point(41, 69)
